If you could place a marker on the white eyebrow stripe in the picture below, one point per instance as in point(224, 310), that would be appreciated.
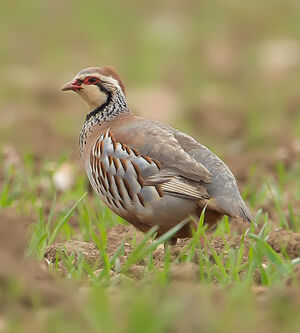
point(103, 78)
point(83, 76)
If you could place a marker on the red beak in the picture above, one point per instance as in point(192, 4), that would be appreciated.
point(71, 85)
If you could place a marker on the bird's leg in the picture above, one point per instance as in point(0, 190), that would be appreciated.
point(171, 241)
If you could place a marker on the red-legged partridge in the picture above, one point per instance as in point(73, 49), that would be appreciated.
point(147, 172)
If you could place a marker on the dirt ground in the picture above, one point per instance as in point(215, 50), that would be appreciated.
point(32, 277)
point(278, 239)
point(35, 278)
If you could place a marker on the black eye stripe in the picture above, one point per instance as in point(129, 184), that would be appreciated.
point(92, 80)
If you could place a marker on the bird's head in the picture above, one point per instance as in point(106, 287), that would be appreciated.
point(96, 85)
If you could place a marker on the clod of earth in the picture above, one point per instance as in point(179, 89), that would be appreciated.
point(279, 240)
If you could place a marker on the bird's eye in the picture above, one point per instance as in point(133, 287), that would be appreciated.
point(90, 80)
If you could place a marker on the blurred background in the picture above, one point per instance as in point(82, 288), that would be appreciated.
point(226, 72)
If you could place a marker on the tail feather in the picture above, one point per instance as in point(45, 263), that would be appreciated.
point(234, 208)
point(239, 209)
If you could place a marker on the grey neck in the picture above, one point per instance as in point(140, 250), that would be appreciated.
point(114, 106)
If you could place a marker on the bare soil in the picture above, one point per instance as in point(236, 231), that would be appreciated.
point(280, 240)
point(31, 277)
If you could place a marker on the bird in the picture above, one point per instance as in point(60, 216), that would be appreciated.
point(147, 172)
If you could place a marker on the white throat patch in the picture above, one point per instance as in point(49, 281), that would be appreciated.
point(93, 96)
